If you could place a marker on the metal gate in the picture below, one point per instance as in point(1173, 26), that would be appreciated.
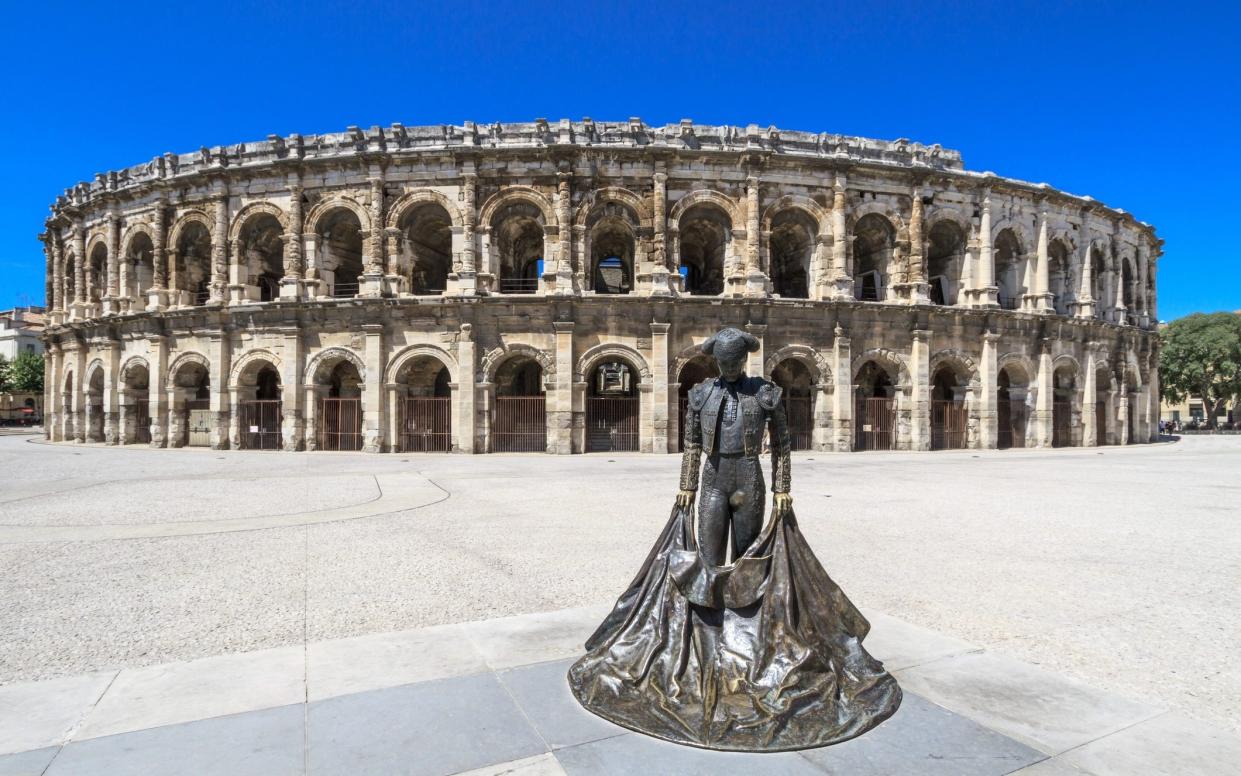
point(800, 411)
point(519, 424)
point(1100, 422)
point(876, 424)
point(949, 421)
point(260, 424)
point(426, 424)
point(198, 423)
point(1012, 424)
point(340, 424)
point(142, 423)
point(611, 424)
point(1061, 424)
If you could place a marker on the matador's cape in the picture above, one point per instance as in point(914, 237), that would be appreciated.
point(762, 655)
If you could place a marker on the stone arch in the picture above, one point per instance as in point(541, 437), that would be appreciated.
point(1066, 358)
point(132, 231)
point(496, 357)
point(94, 367)
point(937, 213)
point(682, 358)
point(634, 206)
point(812, 358)
point(411, 353)
point(589, 359)
point(885, 357)
point(510, 194)
point(412, 199)
point(244, 370)
point(707, 196)
point(1020, 229)
point(254, 209)
point(958, 361)
point(817, 213)
point(188, 357)
point(130, 364)
point(184, 220)
point(325, 360)
point(331, 202)
point(94, 240)
point(1022, 363)
point(876, 207)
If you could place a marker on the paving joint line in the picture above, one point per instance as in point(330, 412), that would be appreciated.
point(73, 729)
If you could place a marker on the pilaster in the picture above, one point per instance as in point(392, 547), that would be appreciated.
point(466, 378)
point(919, 392)
point(372, 398)
point(560, 398)
point(842, 395)
point(988, 410)
point(220, 356)
point(658, 434)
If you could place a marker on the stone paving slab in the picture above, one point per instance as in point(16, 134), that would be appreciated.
point(38, 714)
point(1168, 745)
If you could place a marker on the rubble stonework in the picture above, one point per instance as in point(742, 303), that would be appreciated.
point(905, 301)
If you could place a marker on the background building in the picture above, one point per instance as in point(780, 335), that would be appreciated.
point(545, 286)
point(21, 331)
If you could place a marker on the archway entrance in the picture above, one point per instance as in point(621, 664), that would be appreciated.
point(1064, 381)
point(696, 370)
point(1102, 403)
point(136, 415)
point(426, 407)
point(794, 377)
point(875, 415)
point(340, 412)
point(612, 410)
point(1010, 410)
point(949, 418)
point(519, 424)
point(704, 235)
point(340, 253)
point(191, 407)
point(261, 415)
point(94, 407)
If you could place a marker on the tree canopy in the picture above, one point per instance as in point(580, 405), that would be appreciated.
point(1201, 356)
point(4, 375)
point(25, 374)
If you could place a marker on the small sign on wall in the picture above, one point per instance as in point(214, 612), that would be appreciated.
point(254, 429)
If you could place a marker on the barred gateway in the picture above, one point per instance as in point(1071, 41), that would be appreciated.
point(544, 287)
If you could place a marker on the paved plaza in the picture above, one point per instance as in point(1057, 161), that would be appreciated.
point(1047, 612)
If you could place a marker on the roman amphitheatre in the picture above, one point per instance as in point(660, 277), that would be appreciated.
point(543, 287)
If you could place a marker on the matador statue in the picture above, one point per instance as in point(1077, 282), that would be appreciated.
point(754, 651)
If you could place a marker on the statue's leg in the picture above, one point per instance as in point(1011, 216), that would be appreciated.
point(748, 507)
point(713, 512)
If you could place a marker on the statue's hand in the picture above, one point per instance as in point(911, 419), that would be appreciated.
point(781, 503)
point(685, 498)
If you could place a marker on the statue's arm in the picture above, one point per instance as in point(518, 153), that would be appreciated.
point(691, 450)
point(781, 446)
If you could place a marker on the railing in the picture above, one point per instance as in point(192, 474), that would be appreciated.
point(864, 294)
point(1100, 422)
point(260, 424)
point(1010, 302)
point(800, 412)
point(340, 424)
point(949, 421)
point(612, 424)
point(519, 424)
point(426, 424)
point(202, 296)
point(519, 285)
point(345, 290)
point(1011, 421)
point(876, 424)
point(1061, 424)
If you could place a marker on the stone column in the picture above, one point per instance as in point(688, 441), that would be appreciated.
point(1143, 270)
point(468, 280)
point(394, 394)
point(560, 398)
point(1122, 412)
point(988, 292)
point(53, 375)
point(665, 274)
point(465, 419)
point(919, 393)
point(219, 245)
point(111, 378)
point(563, 283)
point(373, 273)
point(1090, 436)
point(224, 413)
point(125, 417)
point(1043, 298)
point(661, 406)
point(112, 264)
point(56, 298)
point(1043, 398)
point(918, 288)
point(755, 276)
point(821, 428)
point(988, 401)
point(757, 359)
point(1085, 295)
point(80, 261)
point(842, 274)
point(842, 395)
point(292, 390)
point(1120, 314)
point(157, 293)
point(372, 399)
point(157, 405)
point(294, 264)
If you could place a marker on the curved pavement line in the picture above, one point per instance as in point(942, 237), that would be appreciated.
point(399, 492)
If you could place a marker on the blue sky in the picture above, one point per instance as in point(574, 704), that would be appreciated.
point(1134, 104)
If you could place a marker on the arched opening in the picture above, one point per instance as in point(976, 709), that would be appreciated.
point(191, 279)
point(795, 378)
point(94, 407)
point(517, 236)
point(1059, 282)
point(612, 407)
point(519, 424)
point(1098, 282)
point(875, 408)
point(944, 260)
point(791, 249)
point(192, 399)
point(1009, 270)
point(136, 407)
point(1102, 405)
point(427, 233)
point(261, 410)
point(1064, 393)
point(426, 406)
point(262, 256)
point(1012, 388)
point(611, 256)
point(97, 282)
point(873, 241)
point(141, 261)
point(66, 407)
point(949, 417)
point(705, 232)
point(69, 281)
point(694, 371)
point(1132, 390)
point(339, 408)
point(340, 252)
point(1128, 290)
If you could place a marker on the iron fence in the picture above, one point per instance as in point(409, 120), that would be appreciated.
point(611, 424)
point(426, 424)
point(260, 424)
point(519, 285)
point(519, 424)
point(1061, 424)
point(800, 412)
point(340, 424)
point(949, 422)
point(876, 424)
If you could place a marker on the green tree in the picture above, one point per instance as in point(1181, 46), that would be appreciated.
point(5, 380)
point(26, 373)
point(1201, 356)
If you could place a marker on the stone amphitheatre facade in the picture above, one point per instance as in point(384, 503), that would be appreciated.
point(544, 287)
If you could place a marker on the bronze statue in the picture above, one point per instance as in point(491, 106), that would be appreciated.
point(762, 654)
